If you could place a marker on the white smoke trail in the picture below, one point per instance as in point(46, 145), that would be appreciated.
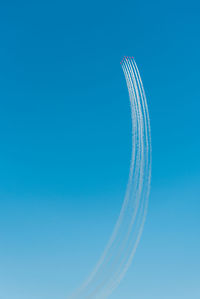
point(121, 247)
point(116, 278)
point(124, 240)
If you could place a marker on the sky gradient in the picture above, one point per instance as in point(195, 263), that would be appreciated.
point(66, 144)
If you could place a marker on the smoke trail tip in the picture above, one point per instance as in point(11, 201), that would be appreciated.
point(126, 58)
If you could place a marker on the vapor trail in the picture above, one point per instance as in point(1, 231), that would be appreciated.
point(124, 240)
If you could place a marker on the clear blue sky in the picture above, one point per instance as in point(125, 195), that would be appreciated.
point(65, 134)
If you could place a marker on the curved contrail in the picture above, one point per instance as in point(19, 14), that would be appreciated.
point(124, 240)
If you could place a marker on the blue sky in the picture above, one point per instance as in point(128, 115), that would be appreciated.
point(66, 144)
